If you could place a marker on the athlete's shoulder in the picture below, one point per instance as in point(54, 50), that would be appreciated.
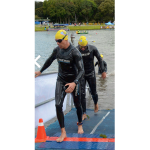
point(76, 52)
point(91, 47)
point(55, 51)
point(75, 49)
point(56, 48)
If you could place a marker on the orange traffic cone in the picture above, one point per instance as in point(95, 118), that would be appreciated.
point(41, 134)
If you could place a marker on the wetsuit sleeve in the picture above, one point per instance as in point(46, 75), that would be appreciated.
point(49, 60)
point(97, 55)
point(96, 63)
point(105, 66)
point(79, 64)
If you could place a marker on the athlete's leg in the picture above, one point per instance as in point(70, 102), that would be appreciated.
point(83, 99)
point(77, 102)
point(92, 85)
point(59, 98)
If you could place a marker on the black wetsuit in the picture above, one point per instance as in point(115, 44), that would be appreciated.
point(99, 69)
point(89, 76)
point(71, 69)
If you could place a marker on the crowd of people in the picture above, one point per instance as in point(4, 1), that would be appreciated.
point(75, 68)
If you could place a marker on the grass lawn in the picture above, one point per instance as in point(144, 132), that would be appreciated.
point(40, 28)
point(86, 27)
point(83, 27)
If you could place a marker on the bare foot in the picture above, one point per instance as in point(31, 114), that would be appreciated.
point(80, 129)
point(84, 116)
point(62, 136)
point(96, 108)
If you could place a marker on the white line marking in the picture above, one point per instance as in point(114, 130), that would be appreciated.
point(36, 62)
point(94, 129)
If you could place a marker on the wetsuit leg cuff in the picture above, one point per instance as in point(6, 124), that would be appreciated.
point(79, 123)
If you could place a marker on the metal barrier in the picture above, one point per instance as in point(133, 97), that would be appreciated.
point(42, 103)
point(68, 94)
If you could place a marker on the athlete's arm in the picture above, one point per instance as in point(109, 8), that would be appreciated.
point(79, 63)
point(96, 63)
point(49, 60)
point(105, 66)
point(97, 55)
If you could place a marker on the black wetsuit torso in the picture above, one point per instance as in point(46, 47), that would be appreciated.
point(69, 63)
point(70, 69)
point(88, 60)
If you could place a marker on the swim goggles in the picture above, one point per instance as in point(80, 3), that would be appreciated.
point(83, 47)
point(60, 40)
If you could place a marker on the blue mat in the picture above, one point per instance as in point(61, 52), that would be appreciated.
point(84, 135)
point(78, 145)
point(106, 127)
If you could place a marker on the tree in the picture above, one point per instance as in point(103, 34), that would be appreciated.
point(38, 4)
point(70, 11)
point(98, 2)
point(107, 9)
point(88, 7)
point(39, 12)
point(49, 9)
point(64, 11)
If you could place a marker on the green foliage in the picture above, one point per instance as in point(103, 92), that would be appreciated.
point(37, 17)
point(39, 12)
point(88, 116)
point(65, 11)
point(38, 4)
point(103, 136)
point(107, 9)
point(88, 7)
point(98, 2)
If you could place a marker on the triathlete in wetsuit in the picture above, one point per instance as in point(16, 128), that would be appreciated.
point(70, 71)
point(88, 52)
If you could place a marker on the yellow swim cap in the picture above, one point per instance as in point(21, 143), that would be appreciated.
point(83, 42)
point(101, 55)
point(61, 34)
point(82, 37)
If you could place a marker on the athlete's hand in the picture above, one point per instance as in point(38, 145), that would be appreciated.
point(104, 75)
point(70, 88)
point(37, 73)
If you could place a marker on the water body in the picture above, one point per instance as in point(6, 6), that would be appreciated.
point(104, 40)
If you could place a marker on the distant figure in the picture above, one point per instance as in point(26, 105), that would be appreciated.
point(105, 66)
point(45, 28)
point(49, 27)
point(72, 38)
